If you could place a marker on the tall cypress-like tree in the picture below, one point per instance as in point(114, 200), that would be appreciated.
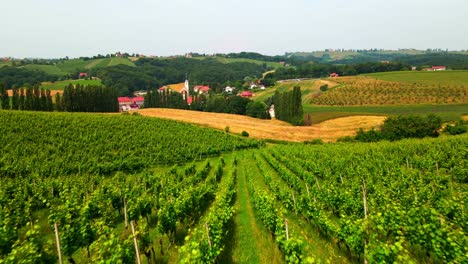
point(22, 99)
point(49, 103)
point(15, 99)
point(5, 98)
point(58, 106)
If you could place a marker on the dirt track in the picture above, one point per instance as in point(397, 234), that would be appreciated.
point(329, 130)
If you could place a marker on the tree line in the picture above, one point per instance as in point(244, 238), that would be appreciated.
point(76, 98)
point(19, 77)
point(218, 103)
point(288, 106)
point(30, 98)
point(90, 98)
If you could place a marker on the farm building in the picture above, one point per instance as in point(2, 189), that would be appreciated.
point(83, 75)
point(130, 103)
point(436, 68)
point(333, 75)
point(439, 68)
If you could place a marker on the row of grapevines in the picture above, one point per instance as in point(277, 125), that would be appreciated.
point(272, 217)
point(56, 144)
point(383, 200)
point(206, 242)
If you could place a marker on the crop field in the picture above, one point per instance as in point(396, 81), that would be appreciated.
point(329, 130)
point(115, 188)
point(71, 66)
point(448, 112)
point(60, 85)
point(443, 78)
point(355, 91)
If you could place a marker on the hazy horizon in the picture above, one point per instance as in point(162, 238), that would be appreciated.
point(56, 29)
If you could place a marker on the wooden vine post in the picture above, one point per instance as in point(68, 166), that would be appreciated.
point(57, 241)
point(137, 252)
point(208, 233)
point(287, 228)
point(364, 199)
point(125, 213)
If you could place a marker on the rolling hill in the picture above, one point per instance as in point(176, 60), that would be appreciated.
point(73, 65)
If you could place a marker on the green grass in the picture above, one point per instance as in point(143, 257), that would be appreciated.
point(252, 241)
point(60, 85)
point(70, 66)
point(307, 87)
point(323, 113)
point(5, 63)
point(124, 61)
point(442, 78)
point(73, 65)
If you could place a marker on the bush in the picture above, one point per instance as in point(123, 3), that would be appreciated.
point(346, 139)
point(226, 129)
point(324, 87)
point(395, 128)
point(257, 109)
point(245, 134)
point(368, 136)
point(316, 141)
point(457, 128)
point(399, 127)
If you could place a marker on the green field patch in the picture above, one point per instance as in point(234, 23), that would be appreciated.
point(49, 69)
point(436, 78)
point(60, 85)
point(118, 61)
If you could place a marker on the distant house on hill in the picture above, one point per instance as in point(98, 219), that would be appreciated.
point(439, 68)
point(229, 89)
point(333, 75)
point(130, 103)
point(83, 75)
point(246, 94)
point(435, 68)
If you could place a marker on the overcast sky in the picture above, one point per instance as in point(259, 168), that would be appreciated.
point(59, 28)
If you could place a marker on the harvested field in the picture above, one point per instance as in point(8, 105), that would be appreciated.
point(328, 131)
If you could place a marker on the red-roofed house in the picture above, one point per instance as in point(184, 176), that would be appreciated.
point(333, 75)
point(439, 68)
point(201, 89)
point(83, 74)
point(130, 103)
point(246, 94)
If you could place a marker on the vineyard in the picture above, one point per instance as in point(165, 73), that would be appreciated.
point(130, 189)
point(355, 91)
point(59, 144)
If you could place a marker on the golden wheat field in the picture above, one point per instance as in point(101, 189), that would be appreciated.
point(328, 131)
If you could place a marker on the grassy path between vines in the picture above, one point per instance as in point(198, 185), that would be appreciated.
point(320, 248)
point(252, 241)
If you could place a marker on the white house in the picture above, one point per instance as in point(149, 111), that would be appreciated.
point(229, 89)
